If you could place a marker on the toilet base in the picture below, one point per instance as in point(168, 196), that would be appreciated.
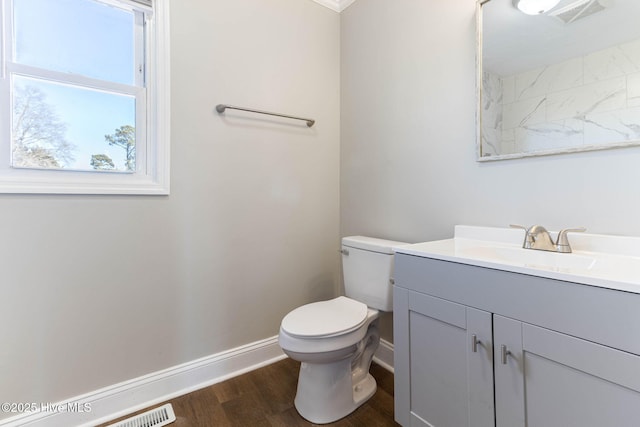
point(364, 390)
point(326, 392)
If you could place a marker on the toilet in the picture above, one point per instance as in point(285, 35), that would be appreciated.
point(335, 340)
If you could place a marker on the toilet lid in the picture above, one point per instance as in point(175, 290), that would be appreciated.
point(324, 318)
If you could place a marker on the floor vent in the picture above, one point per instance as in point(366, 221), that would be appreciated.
point(154, 418)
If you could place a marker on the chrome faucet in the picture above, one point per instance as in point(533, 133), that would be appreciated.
point(537, 237)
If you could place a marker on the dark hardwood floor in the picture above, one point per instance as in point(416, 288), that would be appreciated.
point(264, 397)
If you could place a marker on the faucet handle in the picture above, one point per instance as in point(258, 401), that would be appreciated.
point(528, 238)
point(562, 242)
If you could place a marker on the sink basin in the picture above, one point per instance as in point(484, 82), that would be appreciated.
point(531, 258)
point(597, 260)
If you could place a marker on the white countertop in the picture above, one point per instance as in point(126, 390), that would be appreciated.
point(605, 261)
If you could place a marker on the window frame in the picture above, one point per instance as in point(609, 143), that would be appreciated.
point(151, 92)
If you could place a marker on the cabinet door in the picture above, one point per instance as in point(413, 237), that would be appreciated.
point(509, 372)
point(555, 380)
point(443, 379)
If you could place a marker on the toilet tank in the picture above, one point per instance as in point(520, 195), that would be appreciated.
point(367, 266)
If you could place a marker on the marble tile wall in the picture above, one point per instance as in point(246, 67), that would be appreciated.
point(589, 100)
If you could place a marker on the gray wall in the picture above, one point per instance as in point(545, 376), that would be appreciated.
point(408, 169)
point(102, 289)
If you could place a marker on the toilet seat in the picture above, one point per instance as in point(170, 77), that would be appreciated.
point(325, 318)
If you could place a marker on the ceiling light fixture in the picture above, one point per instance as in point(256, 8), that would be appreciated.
point(535, 7)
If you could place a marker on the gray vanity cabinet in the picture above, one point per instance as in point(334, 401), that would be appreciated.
point(554, 380)
point(487, 348)
point(448, 354)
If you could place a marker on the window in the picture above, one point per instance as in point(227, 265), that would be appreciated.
point(84, 105)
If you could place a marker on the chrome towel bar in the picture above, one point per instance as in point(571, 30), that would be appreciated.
point(221, 107)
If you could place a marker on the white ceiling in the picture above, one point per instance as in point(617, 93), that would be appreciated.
point(515, 42)
point(337, 5)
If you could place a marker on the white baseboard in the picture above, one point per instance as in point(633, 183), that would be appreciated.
point(130, 396)
point(384, 355)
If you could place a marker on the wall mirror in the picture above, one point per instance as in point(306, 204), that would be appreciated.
point(557, 76)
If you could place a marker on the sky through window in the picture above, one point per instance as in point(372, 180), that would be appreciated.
point(87, 38)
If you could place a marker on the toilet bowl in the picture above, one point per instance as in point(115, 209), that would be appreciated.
point(336, 340)
point(334, 374)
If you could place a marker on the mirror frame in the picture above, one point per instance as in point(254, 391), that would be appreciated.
point(479, 91)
